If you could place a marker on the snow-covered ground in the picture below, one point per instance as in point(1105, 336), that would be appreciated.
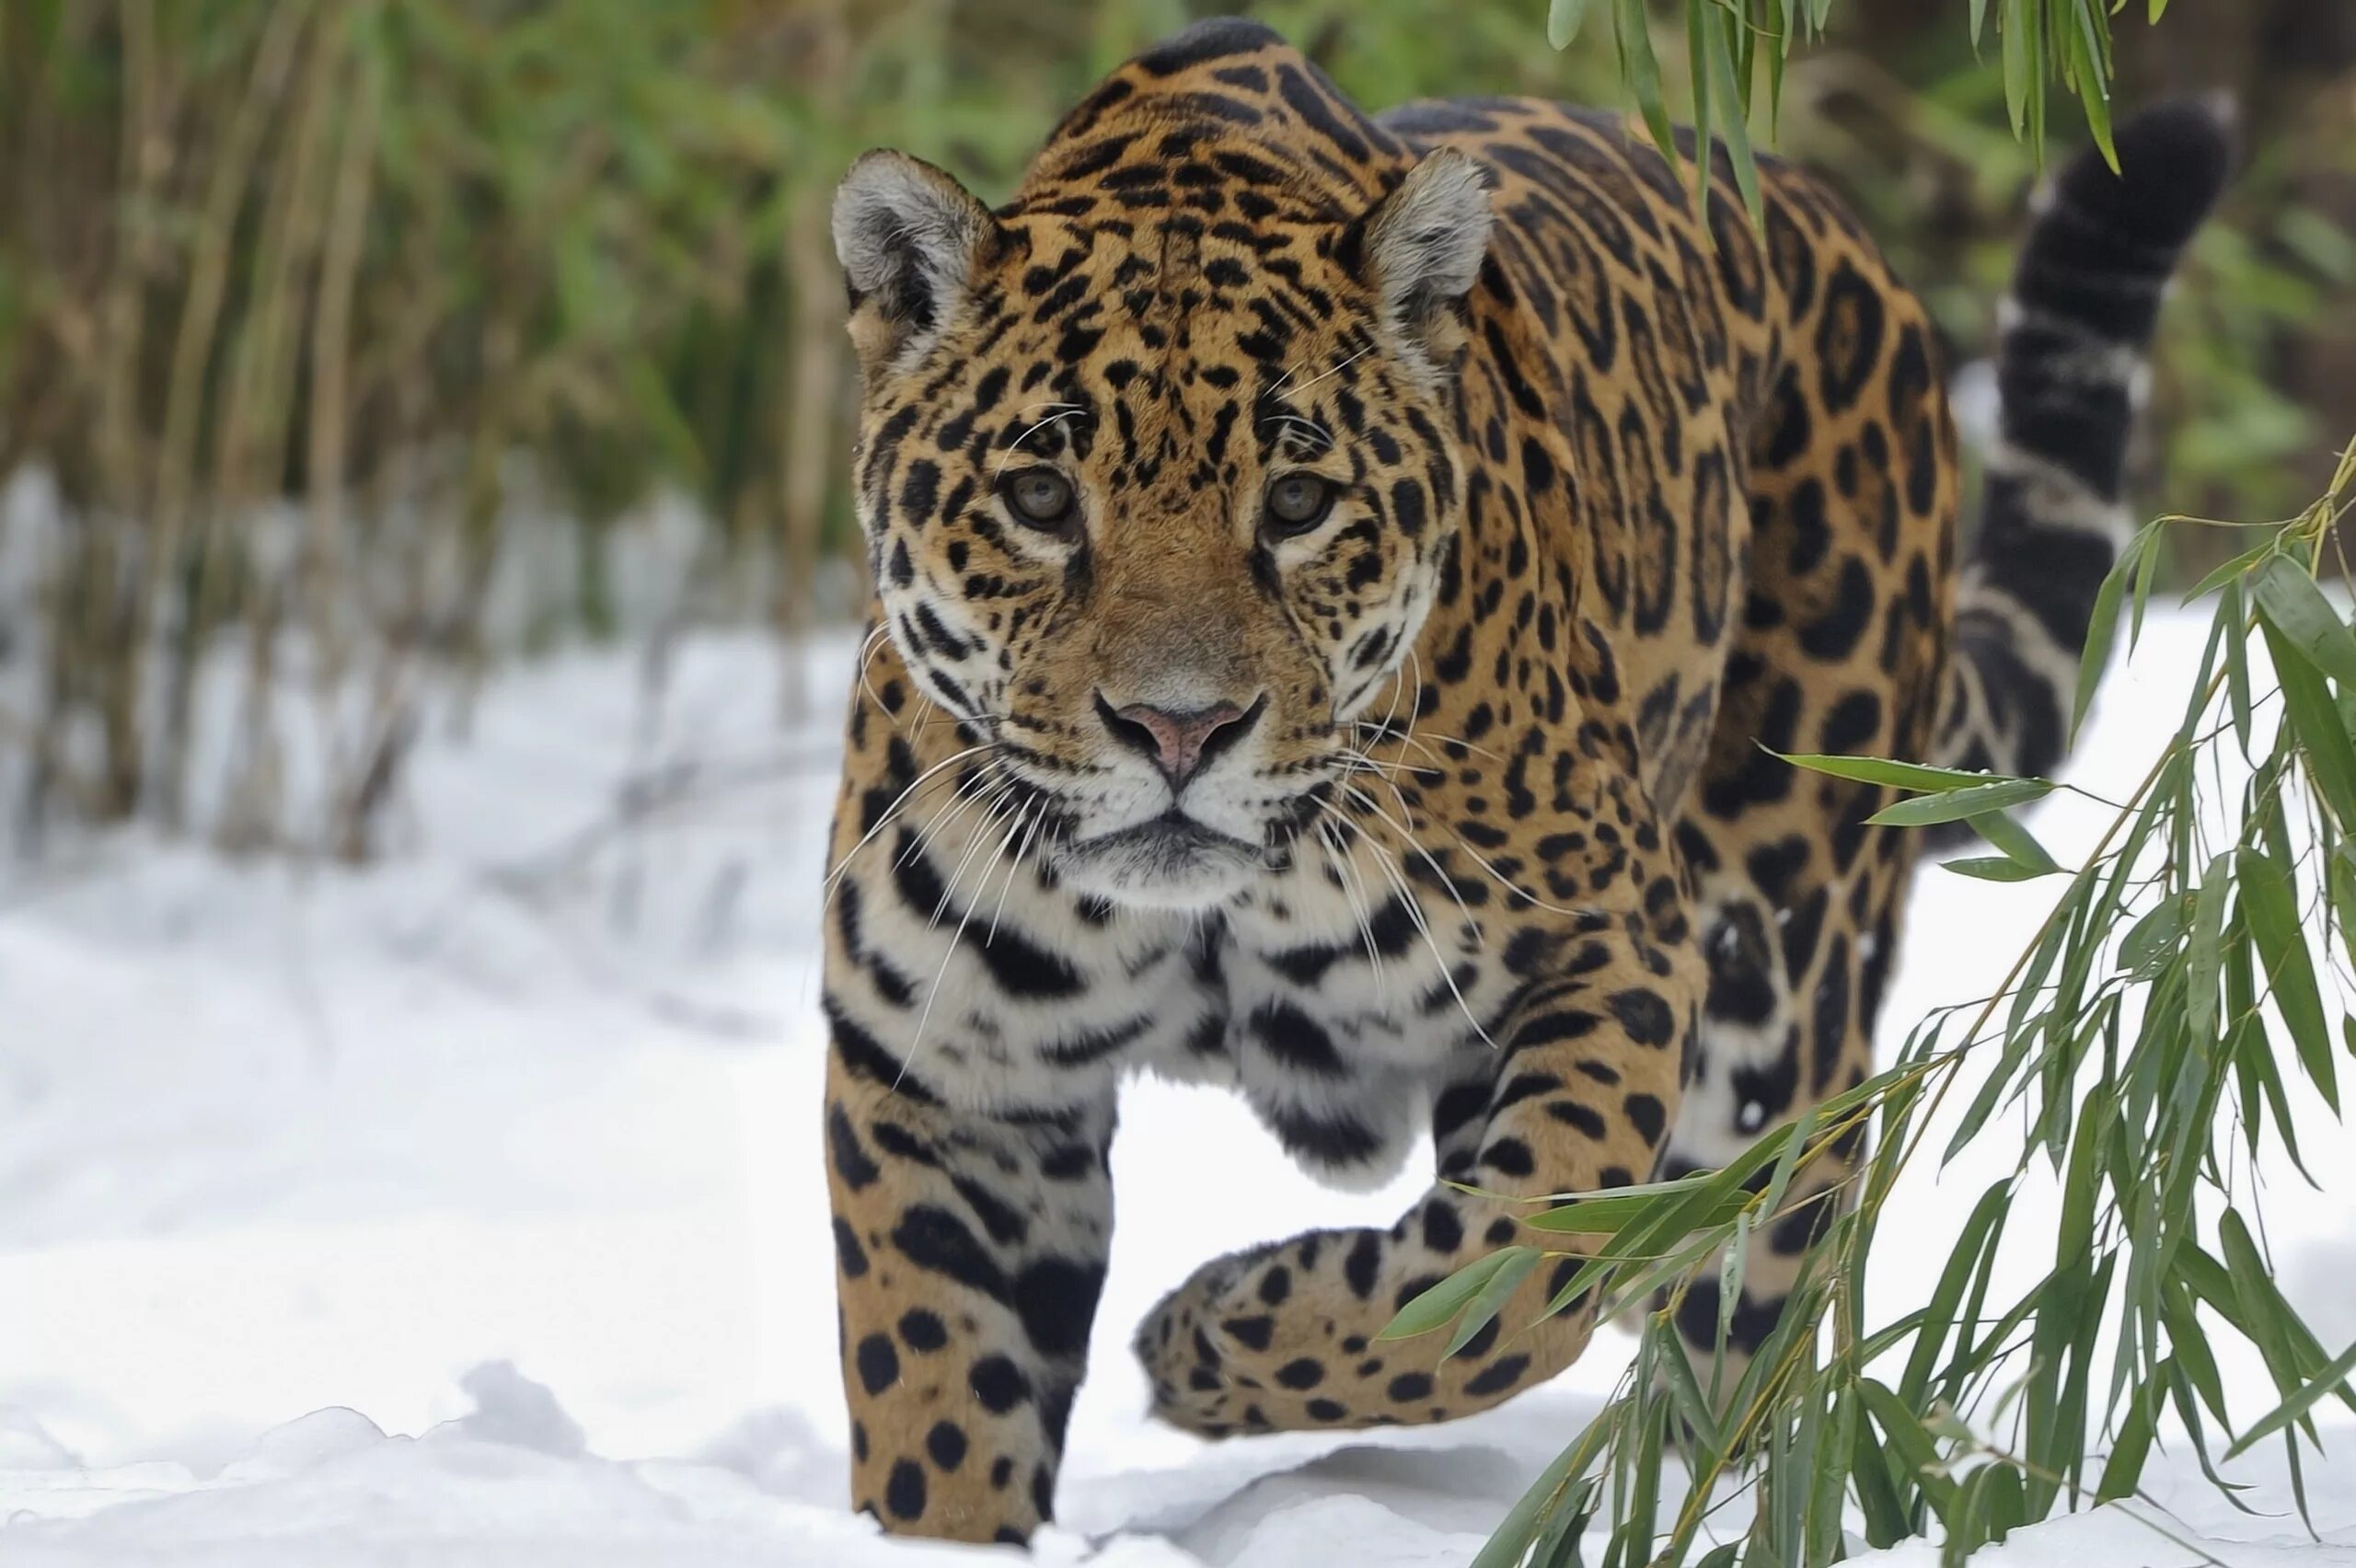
point(469, 1210)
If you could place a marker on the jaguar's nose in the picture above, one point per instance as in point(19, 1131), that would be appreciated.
point(1179, 742)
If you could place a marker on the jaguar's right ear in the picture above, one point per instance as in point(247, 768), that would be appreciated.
point(908, 236)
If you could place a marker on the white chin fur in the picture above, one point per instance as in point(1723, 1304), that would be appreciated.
point(1154, 876)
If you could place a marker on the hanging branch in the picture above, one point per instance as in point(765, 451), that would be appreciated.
point(1731, 43)
point(2149, 1035)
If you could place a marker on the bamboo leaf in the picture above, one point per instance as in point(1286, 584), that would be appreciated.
point(1956, 805)
point(1685, 1394)
point(2090, 70)
point(1444, 1300)
point(2014, 26)
point(2293, 605)
point(2230, 617)
point(2260, 1311)
point(1994, 868)
point(2015, 841)
point(1910, 1442)
point(2253, 1055)
point(2039, 66)
point(1641, 70)
point(1562, 20)
point(2230, 570)
point(1991, 1091)
point(2124, 1467)
point(2101, 625)
point(2315, 720)
point(1638, 1525)
point(1731, 91)
point(1771, 1203)
point(1697, 22)
point(2152, 942)
point(1896, 775)
point(2341, 878)
point(1560, 1491)
point(1606, 1213)
point(2273, 916)
point(1939, 1315)
point(1735, 1262)
point(2190, 1343)
point(1494, 1292)
point(2208, 948)
point(1878, 1494)
point(1835, 1451)
point(2146, 569)
point(2003, 1507)
point(2328, 1381)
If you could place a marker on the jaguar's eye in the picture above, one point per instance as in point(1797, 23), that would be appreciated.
point(1039, 497)
point(1297, 503)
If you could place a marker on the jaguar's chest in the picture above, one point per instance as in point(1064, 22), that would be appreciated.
point(1346, 967)
point(1327, 973)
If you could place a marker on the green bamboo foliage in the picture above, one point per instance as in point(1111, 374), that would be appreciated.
point(395, 268)
point(1732, 45)
point(376, 261)
point(2148, 1044)
point(303, 301)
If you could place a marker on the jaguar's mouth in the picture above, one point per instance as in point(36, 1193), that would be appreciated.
point(1173, 832)
point(1172, 861)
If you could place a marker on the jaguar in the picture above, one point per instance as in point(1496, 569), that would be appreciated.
point(1344, 586)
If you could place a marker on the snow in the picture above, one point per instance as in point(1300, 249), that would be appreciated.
point(467, 1209)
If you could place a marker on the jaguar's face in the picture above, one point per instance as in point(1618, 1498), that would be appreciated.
point(1158, 509)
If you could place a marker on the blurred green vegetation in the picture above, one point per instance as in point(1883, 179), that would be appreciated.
point(386, 271)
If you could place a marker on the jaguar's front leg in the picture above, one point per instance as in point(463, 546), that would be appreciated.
point(1578, 1097)
point(970, 1254)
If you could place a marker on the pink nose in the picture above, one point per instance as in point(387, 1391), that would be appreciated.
point(1178, 742)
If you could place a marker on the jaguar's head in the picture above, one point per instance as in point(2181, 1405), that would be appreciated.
point(1158, 476)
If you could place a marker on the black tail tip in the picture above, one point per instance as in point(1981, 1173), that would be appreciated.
point(2173, 160)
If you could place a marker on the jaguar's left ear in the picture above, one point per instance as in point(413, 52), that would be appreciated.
point(1421, 247)
point(909, 238)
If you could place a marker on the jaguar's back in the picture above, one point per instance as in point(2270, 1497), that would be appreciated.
point(1336, 579)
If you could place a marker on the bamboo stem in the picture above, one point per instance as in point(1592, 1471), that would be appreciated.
point(108, 555)
point(254, 442)
point(200, 317)
point(321, 570)
point(810, 410)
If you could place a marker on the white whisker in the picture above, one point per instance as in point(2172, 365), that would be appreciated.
point(1397, 880)
point(986, 785)
point(1332, 371)
point(1001, 803)
point(933, 993)
point(1070, 410)
point(1471, 854)
point(866, 652)
point(1354, 891)
point(1013, 868)
point(890, 814)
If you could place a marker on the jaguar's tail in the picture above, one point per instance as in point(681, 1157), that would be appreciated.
point(2072, 374)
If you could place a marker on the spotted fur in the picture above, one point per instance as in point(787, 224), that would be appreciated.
point(1438, 808)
